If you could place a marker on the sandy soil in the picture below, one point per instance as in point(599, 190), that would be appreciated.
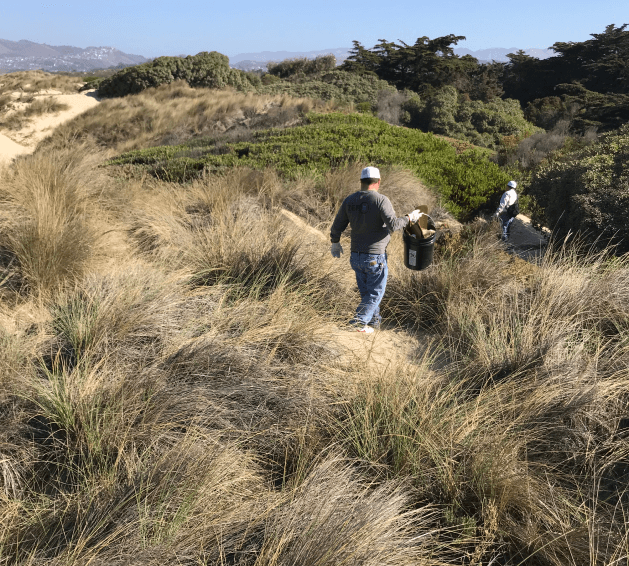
point(10, 149)
point(525, 241)
point(23, 141)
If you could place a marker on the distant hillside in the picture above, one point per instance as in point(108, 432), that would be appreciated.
point(254, 61)
point(27, 55)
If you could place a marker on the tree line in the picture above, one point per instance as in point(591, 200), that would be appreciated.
point(586, 81)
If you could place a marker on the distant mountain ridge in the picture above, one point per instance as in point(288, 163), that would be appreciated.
point(27, 55)
point(252, 61)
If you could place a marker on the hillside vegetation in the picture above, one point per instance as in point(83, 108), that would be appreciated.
point(526, 110)
point(177, 391)
point(175, 113)
point(467, 181)
point(177, 384)
point(588, 189)
point(210, 70)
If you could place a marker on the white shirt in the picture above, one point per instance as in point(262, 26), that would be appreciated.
point(508, 198)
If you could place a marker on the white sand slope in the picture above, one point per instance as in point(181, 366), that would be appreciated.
point(23, 141)
point(10, 149)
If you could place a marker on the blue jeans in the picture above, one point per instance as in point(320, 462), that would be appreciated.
point(371, 277)
point(505, 221)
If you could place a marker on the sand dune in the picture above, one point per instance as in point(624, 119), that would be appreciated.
point(14, 143)
point(10, 149)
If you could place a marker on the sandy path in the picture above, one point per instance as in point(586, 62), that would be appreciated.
point(525, 241)
point(10, 149)
point(377, 352)
point(23, 141)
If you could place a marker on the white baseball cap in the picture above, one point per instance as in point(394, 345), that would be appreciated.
point(370, 173)
point(512, 184)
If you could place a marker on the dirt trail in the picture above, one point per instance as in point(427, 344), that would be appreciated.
point(378, 351)
point(525, 241)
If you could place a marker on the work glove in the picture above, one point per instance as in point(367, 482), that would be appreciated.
point(336, 250)
point(414, 216)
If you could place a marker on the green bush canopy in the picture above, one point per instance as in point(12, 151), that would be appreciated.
point(587, 191)
point(210, 70)
point(468, 182)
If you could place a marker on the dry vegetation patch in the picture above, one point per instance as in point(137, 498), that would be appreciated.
point(185, 401)
point(36, 81)
point(18, 118)
point(171, 114)
point(26, 95)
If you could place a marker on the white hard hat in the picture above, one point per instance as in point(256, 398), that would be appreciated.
point(370, 173)
point(512, 184)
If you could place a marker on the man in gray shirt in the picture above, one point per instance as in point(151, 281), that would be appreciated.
point(372, 220)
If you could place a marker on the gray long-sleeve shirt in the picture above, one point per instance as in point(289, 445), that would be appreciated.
point(372, 219)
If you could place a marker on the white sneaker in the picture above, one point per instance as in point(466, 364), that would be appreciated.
point(365, 329)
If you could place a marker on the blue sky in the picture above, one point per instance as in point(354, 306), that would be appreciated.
point(160, 27)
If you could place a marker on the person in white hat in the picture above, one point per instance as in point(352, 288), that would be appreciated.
point(372, 220)
point(508, 209)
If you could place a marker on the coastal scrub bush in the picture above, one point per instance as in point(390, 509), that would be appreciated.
point(481, 123)
point(338, 85)
point(586, 191)
point(302, 66)
point(209, 70)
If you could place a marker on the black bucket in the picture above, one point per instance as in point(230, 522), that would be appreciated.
point(418, 253)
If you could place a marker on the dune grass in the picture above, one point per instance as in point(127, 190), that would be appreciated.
point(35, 81)
point(183, 398)
point(17, 119)
point(174, 113)
point(45, 233)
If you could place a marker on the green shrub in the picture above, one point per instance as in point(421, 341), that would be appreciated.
point(302, 66)
point(342, 86)
point(412, 109)
point(210, 70)
point(585, 109)
point(587, 191)
point(468, 181)
point(481, 123)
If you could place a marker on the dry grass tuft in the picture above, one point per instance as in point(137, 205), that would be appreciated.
point(35, 81)
point(46, 233)
point(331, 518)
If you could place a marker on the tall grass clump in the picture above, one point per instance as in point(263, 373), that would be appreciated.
point(501, 459)
point(333, 518)
point(46, 231)
point(130, 311)
point(229, 231)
